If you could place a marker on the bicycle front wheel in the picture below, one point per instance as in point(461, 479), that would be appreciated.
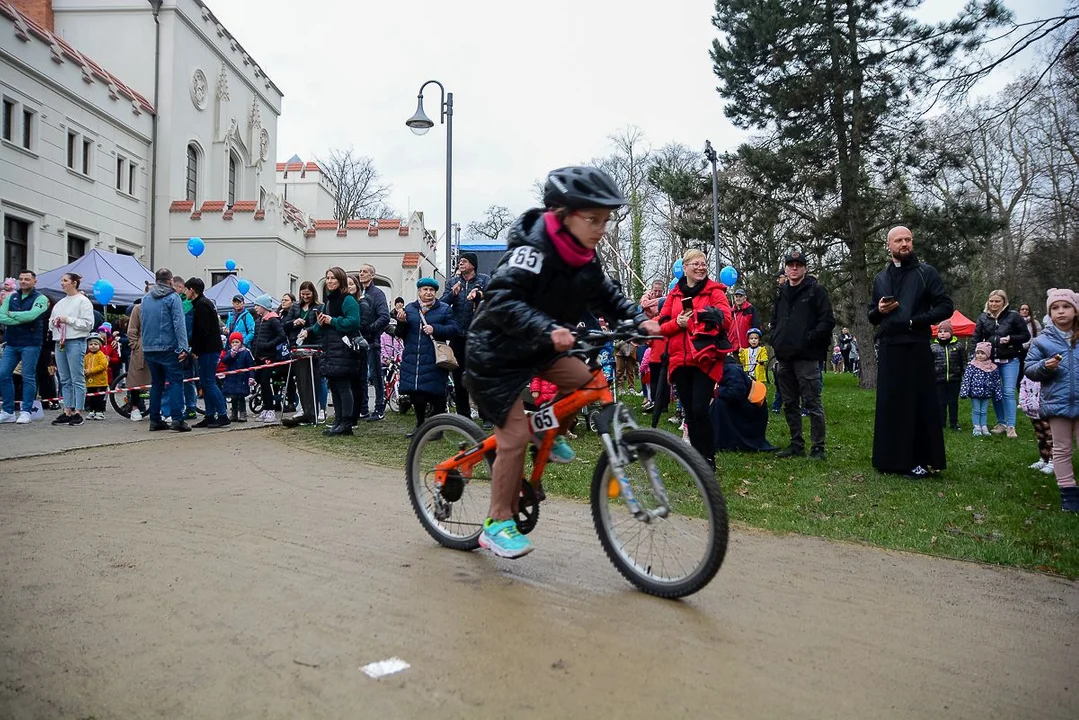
point(678, 548)
point(453, 513)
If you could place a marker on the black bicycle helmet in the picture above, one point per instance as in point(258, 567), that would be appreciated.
point(581, 187)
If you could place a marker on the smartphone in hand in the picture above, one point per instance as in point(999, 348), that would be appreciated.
point(889, 299)
point(687, 304)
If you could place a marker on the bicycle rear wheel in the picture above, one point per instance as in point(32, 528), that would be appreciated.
point(120, 398)
point(671, 555)
point(454, 513)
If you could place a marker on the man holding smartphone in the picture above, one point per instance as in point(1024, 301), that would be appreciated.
point(802, 324)
point(908, 297)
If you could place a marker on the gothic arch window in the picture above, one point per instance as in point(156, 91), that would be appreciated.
point(234, 170)
point(192, 172)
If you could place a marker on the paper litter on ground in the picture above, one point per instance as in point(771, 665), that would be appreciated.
point(385, 667)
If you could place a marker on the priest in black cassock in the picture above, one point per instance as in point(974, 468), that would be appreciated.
point(908, 297)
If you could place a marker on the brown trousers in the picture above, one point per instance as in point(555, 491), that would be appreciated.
point(569, 374)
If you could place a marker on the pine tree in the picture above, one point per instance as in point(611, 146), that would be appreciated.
point(837, 89)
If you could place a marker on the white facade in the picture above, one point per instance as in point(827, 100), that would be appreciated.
point(216, 135)
point(74, 152)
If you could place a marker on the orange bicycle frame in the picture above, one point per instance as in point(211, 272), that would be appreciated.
point(595, 390)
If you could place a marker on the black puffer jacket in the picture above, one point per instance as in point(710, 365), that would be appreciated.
point(531, 293)
point(922, 298)
point(1009, 324)
point(269, 333)
point(802, 321)
point(338, 361)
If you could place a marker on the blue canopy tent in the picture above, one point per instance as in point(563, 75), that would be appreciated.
point(222, 293)
point(127, 275)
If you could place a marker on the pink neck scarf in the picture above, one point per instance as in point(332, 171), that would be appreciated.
point(572, 252)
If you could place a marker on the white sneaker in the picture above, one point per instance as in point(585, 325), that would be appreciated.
point(6, 417)
point(1048, 469)
point(322, 416)
point(24, 418)
point(1038, 465)
point(271, 416)
point(166, 419)
point(135, 415)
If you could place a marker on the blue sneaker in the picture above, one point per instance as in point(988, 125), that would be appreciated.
point(504, 540)
point(561, 452)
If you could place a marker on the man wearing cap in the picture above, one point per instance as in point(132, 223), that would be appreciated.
point(240, 320)
point(463, 294)
point(802, 325)
point(744, 317)
point(908, 297)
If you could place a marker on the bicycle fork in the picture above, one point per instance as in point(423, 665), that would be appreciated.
point(610, 424)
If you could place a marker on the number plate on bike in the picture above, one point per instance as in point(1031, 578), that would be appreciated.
point(544, 420)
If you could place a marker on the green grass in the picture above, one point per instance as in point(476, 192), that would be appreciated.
point(987, 506)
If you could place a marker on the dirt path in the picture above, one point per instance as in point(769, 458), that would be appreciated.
point(259, 592)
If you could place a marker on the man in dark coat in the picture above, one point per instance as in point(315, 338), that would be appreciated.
point(372, 333)
point(463, 294)
point(205, 340)
point(802, 325)
point(846, 340)
point(908, 297)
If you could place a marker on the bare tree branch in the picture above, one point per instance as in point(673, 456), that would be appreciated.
point(358, 190)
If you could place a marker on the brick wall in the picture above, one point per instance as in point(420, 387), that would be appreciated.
point(40, 11)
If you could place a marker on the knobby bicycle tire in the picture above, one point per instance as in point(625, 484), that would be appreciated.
point(712, 495)
point(429, 428)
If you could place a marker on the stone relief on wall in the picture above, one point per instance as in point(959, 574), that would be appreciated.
point(264, 144)
point(199, 89)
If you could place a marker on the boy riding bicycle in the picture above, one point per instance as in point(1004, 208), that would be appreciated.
point(548, 278)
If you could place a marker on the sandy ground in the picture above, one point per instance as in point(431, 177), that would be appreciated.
point(133, 585)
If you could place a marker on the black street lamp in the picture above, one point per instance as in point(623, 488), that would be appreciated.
point(420, 124)
point(710, 153)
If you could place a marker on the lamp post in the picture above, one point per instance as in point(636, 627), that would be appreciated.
point(420, 124)
point(155, 8)
point(710, 153)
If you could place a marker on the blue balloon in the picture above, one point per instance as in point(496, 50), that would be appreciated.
point(103, 291)
point(196, 246)
point(230, 265)
point(673, 283)
point(677, 269)
point(243, 286)
point(728, 275)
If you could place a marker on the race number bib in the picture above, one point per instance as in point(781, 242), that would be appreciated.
point(527, 258)
point(544, 420)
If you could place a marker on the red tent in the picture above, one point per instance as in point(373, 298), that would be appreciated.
point(962, 326)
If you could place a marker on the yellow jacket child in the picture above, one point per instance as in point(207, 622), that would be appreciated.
point(754, 358)
point(96, 365)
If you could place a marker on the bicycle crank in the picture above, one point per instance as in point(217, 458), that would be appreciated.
point(527, 514)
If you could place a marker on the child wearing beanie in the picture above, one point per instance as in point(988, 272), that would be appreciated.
point(237, 387)
point(949, 360)
point(1053, 361)
point(981, 383)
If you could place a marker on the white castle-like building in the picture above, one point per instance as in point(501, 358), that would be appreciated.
point(100, 150)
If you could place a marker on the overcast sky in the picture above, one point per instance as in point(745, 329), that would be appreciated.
point(536, 85)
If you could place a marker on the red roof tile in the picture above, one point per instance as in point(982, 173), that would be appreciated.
point(294, 166)
point(88, 65)
point(327, 224)
point(227, 215)
point(309, 234)
point(280, 167)
point(197, 215)
point(388, 224)
point(410, 260)
point(212, 206)
point(357, 224)
point(403, 232)
point(245, 206)
point(182, 206)
point(312, 167)
point(342, 233)
point(260, 214)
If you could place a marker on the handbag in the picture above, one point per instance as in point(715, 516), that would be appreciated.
point(444, 357)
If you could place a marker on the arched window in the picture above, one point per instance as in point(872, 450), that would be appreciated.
point(232, 179)
point(192, 173)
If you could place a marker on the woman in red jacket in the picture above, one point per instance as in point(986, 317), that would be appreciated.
point(694, 319)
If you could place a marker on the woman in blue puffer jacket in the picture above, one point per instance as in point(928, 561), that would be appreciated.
point(420, 324)
point(1053, 361)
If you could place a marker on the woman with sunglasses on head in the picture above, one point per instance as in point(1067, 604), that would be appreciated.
point(548, 278)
